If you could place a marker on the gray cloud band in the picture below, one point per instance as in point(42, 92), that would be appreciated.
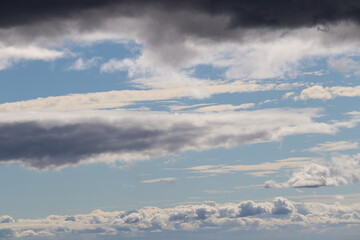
point(55, 140)
point(245, 13)
point(192, 29)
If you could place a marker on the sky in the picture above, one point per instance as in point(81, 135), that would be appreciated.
point(179, 119)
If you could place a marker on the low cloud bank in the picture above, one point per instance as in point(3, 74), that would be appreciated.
point(245, 215)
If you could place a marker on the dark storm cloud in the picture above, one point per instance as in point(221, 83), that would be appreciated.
point(41, 146)
point(245, 13)
point(55, 140)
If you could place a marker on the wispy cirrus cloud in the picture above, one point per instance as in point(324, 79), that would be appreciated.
point(334, 146)
point(253, 169)
point(158, 180)
point(117, 99)
point(224, 107)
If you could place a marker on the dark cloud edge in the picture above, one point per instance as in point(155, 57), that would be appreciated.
point(244, 13)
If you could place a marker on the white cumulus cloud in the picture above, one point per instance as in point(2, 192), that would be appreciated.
point(341, 170)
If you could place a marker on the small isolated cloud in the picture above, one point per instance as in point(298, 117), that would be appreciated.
point(341, 170)
point(280, 213)
point(334, 146)
point(157, 180)
point(83, 64)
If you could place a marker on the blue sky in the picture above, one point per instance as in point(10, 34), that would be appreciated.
point(129, 127)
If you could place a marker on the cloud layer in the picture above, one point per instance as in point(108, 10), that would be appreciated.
point(45, 140)
point(117, 99)
point(280, 213)
point(197, 32)
point(257, 13)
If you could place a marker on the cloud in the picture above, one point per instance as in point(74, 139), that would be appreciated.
point(345, 65)
point(157, 180)
point(348, 199)
point(116, 99)
point(48, 140)
point(252, 43)
point(334, 146)
point(260, 173)
point(224, 107)
point(253, 169)
point(11, 55)
point(326, 93)
point(134, 67)
point(6, 219)
point(280, 213)
point(83, 64)
point(341, 171)
point(281, 14)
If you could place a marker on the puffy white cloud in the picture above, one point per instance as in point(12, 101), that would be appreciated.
point(342, 170)
point(280, 213)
